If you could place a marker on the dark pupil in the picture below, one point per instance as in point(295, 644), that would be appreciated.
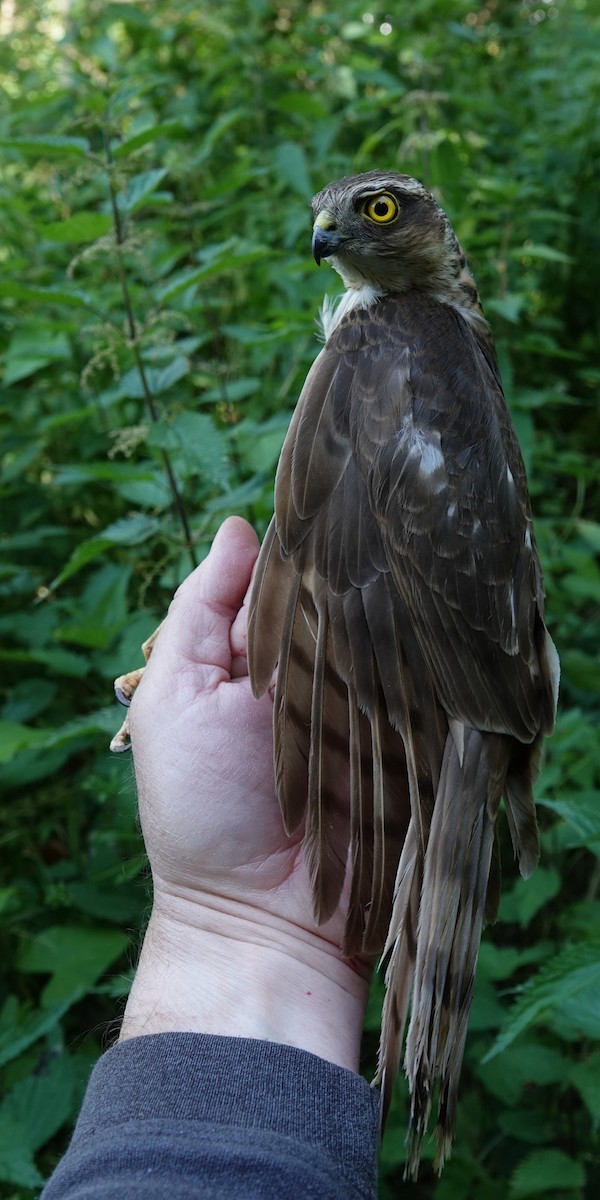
point(382, 208)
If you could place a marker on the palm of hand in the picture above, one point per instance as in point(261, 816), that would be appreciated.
point(204, 758)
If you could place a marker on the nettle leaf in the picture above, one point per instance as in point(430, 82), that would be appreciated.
point(70, 475)
point(292, 166)
point(203, 445)
point(500, 962)
point(45, 296)
point(140, 187)
point(544, 253)
point(84, 554)
point(568, 978)
point(234, 390)
point(59, 661)
point(546, 1171)
point(585, 1076)
point(216, 260)
point(16, 1158)
point(41, 1103)
point(144, 137)
point(127, 531)
point(510, 306)
point(582, 812)
point(74, 956)
point(102, 611)
point(160, 379)
point(33, 1112)
point(523, 1066)
point(81, 227)
point(131, 531)
point(15, 738)
point(20, 1026)
point(32, 347)
point(48, 146)
point(590, 532)
point(528, 896)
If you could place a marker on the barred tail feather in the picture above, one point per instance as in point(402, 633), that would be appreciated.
point(401, 947)
point(456, 873)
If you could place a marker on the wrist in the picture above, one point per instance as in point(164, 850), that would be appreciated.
point(240, 971)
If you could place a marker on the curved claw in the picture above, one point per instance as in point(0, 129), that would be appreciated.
point(121, 740)
point(125, 687)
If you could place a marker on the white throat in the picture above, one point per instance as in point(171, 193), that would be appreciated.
point(333, 309)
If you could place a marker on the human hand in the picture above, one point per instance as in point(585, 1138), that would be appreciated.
point(232, 946)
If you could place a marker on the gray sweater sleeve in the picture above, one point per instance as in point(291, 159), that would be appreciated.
point(176, 1116)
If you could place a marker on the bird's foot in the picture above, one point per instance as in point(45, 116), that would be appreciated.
point(125, 687)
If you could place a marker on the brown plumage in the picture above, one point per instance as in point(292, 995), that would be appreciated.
point(399, 593)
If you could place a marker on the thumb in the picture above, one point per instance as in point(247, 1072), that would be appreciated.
point(197, 628)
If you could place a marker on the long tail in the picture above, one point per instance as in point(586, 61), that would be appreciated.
point(454, 889)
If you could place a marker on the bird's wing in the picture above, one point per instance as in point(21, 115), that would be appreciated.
point(326, 609)
point(445, 479)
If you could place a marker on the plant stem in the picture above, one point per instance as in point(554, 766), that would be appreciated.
point(177, 498)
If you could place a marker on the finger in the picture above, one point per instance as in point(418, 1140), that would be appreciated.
point(197, 628)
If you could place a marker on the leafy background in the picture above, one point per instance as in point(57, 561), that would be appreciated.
point(157, 306)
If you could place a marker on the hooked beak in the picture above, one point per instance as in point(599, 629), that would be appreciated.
point(326, 239)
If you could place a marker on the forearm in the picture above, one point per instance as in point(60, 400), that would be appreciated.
point(178, 1116)
point(240, 972)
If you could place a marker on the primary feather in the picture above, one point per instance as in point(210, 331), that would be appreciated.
point(399, 592)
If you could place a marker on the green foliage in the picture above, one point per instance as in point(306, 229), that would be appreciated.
point(157, 318)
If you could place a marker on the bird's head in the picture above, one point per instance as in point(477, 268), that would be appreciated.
point(388, 231)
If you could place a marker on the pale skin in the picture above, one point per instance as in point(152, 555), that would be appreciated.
point(232, 947)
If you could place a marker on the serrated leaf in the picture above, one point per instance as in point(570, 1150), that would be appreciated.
point(16, 1158)
point(528, 896)
point(160, 379)
point(202, 445)
point(562, 980)
point(81, 227)
point(131, 531)
point(586, 1078)
point(306, 104)
point(19, 1028)
point(582, 813)
point(222, 258)
point(49, 295)
point(15, 738)
point(84, 554)
point(69, 475)
point(509, 306)
point(55, 146)
point(544, 253)
point(127, 531)
point(590, 532)
point(61, 662)
point(523, 1066)
point(142, 186)
point(144, 137)
point(293, 168)
point(41, 1103)
point(546, 1171)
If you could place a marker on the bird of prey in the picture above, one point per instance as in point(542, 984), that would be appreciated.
point(399, 594)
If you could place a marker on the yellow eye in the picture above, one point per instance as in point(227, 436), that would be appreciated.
point(382, 209)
